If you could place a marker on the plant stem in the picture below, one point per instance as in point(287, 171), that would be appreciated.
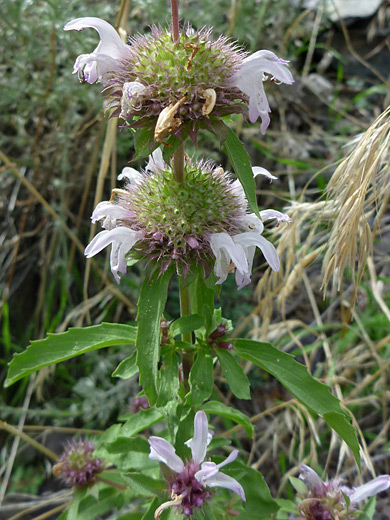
point(175, 20)
point(187, 356)
point(178, 164)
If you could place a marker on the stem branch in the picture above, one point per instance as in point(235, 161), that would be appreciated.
point(178, 164)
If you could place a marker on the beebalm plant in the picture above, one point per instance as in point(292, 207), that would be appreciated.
point(189, 219)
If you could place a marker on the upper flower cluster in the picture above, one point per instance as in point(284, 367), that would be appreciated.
point(201, 219)
point(328, 500)
point(189, 480)
point(171, 85)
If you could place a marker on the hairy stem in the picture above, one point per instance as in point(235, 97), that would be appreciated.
point(175, 20)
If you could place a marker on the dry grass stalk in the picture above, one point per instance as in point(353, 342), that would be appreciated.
point(358, 191)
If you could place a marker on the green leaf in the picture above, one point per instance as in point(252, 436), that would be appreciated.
point(369, 509)
point(66, 345)
point(186, 324)
point(139, 422)
point(258, 497)
point(218, 408)
point(172, 144)
point(234, 374)
point(126, 368)
point(295, 377)
point(169, 379)
point(151, 305)
point(149, 515)
point(127, 454)
point(143, 485)
point(239, 158)
point(201, 379)
point(202, 301)
point(73, 511)
point(144, 142)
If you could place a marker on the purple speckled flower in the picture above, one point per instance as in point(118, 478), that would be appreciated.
point(327, 500)
point(190, 479)
point(77, 466)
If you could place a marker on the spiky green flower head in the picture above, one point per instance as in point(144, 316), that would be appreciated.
point(202, 220)
point(189, 79)
point(174, 86)
point(170, 221)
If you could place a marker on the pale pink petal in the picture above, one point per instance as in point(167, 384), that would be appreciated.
point(310, 478)
point(210, 476)
point(370, 489)
point(198, 443)
point(163, 451)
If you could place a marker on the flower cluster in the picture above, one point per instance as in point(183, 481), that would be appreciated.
point(78, 467)
point(330, 500)
point(204, 217)
point(167, 83)
point(188, 480)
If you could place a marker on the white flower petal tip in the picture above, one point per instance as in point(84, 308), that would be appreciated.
point(375, 486)
point(122, 240)
point(199, 440)
point(273, 213)
point(210, 476)
point(107, 55)
point(156, 161)
point(310, 477)
point(164, 452)
point(249, 79)
point(130, 174)
point(258, 170)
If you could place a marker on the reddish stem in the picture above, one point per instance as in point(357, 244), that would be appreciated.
point(175, 20)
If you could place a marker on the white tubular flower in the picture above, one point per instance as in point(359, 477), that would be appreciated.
point(106, 57)
point(249, 79)
point(190, 479)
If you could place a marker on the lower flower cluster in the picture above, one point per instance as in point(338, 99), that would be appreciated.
point(330, 500)
point(188, 480)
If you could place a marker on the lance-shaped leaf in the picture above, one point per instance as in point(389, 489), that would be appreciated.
point(66, 345)
point(239, 158)
point(201, 379)
point(297, 380)
point(234, 374)
point(151, 305)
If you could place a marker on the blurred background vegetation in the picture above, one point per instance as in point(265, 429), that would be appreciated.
point(52, 139)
